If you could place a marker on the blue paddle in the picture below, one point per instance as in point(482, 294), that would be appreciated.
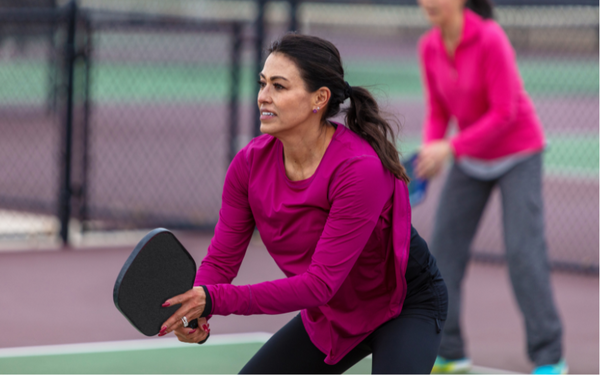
point(417, 187)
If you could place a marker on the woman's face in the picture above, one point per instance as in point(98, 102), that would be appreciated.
point(439, 12)
point(283, 100)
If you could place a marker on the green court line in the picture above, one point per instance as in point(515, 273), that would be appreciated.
point(566, 155)
point(390, 80)
point(573, 155)
point(26, 82)
point(542, 78)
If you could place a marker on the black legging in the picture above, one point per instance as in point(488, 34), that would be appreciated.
point(406, 344)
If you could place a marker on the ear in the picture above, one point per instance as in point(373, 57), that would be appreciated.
point(321, 97)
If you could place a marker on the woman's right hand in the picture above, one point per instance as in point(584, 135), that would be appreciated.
point(432, 158)
point(193, 335)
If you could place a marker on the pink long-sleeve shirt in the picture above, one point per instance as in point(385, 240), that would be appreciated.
point(482, 89)
point(341, 237)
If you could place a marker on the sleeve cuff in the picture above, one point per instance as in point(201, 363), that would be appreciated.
point(208, 307)
point(454, 149)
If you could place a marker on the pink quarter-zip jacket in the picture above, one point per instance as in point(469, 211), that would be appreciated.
point(341, 237)
point(481, 88)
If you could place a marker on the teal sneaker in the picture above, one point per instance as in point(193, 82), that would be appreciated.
point(557, 368)
point(451, 366)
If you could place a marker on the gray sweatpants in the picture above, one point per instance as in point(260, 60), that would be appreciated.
point(462, 202)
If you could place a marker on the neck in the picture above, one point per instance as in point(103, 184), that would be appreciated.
point(452, 31)
point(303, 150)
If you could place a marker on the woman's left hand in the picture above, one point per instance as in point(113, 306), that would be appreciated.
point(192, 305)
point(195, 335)
point(431, 159)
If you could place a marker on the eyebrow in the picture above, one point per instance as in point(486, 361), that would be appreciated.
point(273, 78)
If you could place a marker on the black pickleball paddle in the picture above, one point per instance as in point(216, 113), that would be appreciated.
point(159, 268)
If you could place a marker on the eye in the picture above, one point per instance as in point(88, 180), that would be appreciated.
point(278, 86)
point(262, 84)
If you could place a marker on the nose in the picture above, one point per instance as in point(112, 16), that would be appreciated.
point(264, 95)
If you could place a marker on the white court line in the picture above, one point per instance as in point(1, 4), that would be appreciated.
point(130, 345)
point(488, 370)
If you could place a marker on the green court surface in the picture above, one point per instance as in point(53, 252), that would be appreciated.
point(222, 354)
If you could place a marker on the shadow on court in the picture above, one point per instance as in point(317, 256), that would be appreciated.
point(65, 297)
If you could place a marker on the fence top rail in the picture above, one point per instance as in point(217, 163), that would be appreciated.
point(14, 15)
point(101, 18)
point(114, 19)
point(414, 2)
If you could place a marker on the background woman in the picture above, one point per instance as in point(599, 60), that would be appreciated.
point(471, 75)
point(331, 205)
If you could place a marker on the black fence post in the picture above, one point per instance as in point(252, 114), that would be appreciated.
point(236, 47)
point(65, 190)
point(293, 26)
point(87, 59)
point(258, 47)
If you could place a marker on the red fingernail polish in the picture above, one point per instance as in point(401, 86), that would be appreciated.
point(161, 334)
point(192, 331)
point(166, 304)
point(204, 327)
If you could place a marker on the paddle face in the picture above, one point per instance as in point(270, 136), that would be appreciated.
point(158, 268)
point(417, 187)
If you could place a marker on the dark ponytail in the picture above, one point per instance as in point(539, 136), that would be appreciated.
point(320, 65)
point(483, 8)
point(363, 118)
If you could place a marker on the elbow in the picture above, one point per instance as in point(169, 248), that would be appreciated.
point(322, 292)
point(504, 118)
point(323, 295)
point(509, 116)
point(506, 113)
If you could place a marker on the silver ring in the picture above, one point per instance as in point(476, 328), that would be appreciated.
point(185, 322)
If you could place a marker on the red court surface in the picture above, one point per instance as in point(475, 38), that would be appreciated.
point(65, 296)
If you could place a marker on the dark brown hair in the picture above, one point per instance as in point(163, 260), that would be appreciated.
point(484, 8)
point(320, 65)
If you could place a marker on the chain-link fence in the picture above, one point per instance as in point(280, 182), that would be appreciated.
point(139, 110)
point(32, 41)
point(164, 93)
point(162, 123)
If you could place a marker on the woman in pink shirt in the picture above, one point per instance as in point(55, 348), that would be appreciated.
point(331, 205)
point(471, 76)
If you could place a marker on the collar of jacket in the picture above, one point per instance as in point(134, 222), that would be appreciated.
point(472, 26)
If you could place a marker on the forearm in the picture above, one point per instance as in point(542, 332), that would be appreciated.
point(271, 297)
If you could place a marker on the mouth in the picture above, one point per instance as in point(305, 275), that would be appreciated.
point(265, 115)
